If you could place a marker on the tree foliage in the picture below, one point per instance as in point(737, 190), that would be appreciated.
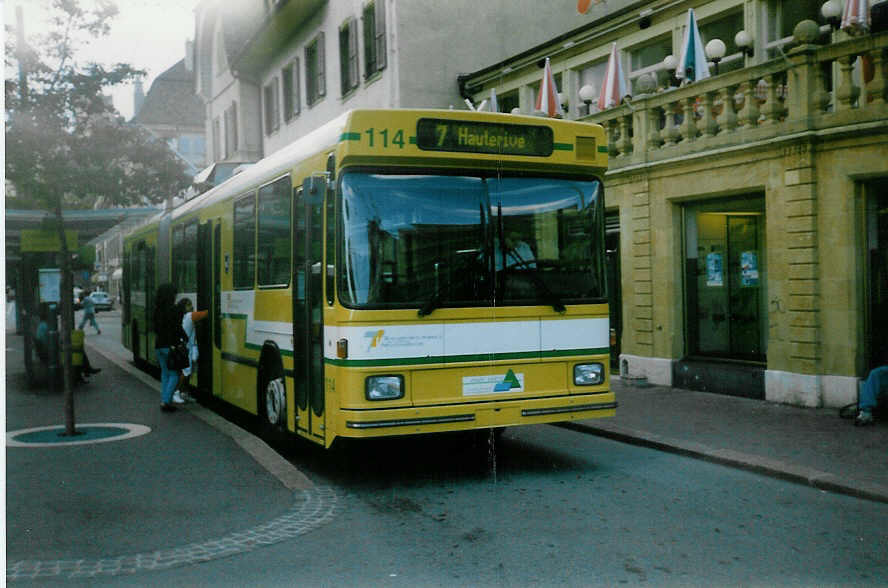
point(65, 143)
point(66, 146)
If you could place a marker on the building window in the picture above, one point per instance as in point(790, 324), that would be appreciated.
point(508, 101)
point(592, 75)
point(274, 233)
point(231, 130)
point(348, 56)
point(217, 139)
point(244, 242)
point(647, 60)
point(272, 106)
point(290, 83)
point(315, 73)
point(724, 27)
point(374, 37)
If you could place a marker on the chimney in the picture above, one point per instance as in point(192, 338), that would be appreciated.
point(138, 97)
point(189, 55)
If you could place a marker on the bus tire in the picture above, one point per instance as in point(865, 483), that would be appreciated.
point(271, 394)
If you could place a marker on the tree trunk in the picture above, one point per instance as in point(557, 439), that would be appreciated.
point(67, 308)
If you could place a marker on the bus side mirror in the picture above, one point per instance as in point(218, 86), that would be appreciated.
point(313, 189)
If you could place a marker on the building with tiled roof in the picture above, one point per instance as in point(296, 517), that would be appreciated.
point(173, 112)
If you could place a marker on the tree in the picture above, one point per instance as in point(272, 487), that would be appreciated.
point(66, 146)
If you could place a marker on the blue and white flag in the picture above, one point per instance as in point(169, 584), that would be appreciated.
point(692, 59)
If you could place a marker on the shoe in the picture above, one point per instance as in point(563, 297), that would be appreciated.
point(164, 407)
point(864, 417)
point(94, 370)
point(98, 332)
point(177, 398)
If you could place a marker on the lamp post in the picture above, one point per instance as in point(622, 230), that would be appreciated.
point(587, 95)
point(669, 64)
point(744, 43)
point(715, 50)
point(832, 12)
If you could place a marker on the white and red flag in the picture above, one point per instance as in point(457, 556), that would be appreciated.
point(613, 87)
point(547, 100)
point(856, 17)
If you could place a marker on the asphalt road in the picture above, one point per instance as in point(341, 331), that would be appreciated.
point(551, 506)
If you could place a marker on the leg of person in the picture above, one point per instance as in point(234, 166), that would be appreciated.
point(869, 395)
point(92, 320)
point(177, 395)
point(87, 367)
point(167, 380)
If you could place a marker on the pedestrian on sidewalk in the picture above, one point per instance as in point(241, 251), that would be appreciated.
point(875, 385)
point(168, 332)
point(189, 318)
point(89, 313)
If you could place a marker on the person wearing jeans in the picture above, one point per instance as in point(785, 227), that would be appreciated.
point(876, 383)
point(168, 332)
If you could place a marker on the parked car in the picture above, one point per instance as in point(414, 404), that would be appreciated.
point(101, 301)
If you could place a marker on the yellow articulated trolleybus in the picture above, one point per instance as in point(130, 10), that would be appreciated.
point(396, 272)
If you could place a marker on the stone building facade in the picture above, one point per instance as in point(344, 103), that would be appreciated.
point(749, 210)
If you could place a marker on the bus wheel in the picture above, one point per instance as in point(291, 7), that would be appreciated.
point(276, 402)
point(272, 396)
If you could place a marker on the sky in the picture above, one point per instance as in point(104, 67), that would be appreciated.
point(147, 34)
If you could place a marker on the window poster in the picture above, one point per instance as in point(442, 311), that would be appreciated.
point(749, 274)
point(714, 272)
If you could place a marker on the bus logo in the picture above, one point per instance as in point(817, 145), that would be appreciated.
point(493, 384)
point(375, 337)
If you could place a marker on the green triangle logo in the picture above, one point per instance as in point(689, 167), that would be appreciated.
point(511, 380)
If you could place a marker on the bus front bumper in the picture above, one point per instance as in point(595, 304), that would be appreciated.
point(432, 419)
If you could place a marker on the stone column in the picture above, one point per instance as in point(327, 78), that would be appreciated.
point(642, 277)
point(793, 374)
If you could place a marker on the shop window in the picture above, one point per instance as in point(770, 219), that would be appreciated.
point(726, 279)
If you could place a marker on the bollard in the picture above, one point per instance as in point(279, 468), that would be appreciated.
point(53, 369)
point(77, 337)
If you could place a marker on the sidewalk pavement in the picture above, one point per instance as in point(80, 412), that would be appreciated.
point(196, 487)
point(193, 488)
point(805, 445)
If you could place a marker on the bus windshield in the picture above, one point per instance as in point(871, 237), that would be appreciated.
point(430, 241)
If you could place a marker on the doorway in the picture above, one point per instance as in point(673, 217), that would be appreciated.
point(877, 261)
point(726, 279)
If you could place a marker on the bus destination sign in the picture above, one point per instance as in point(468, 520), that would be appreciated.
point(434, 134)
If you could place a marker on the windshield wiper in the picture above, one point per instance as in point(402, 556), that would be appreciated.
point(548, 296)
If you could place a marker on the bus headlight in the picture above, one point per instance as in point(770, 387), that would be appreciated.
point(384, 387)
point(588, 374)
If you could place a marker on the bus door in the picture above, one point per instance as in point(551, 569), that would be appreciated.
point(215, 315)
point(308, 327)
point(205, 277)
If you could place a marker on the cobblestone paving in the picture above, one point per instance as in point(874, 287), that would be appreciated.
point(313, 508)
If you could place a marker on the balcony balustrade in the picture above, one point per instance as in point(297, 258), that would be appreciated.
point(789, 96)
